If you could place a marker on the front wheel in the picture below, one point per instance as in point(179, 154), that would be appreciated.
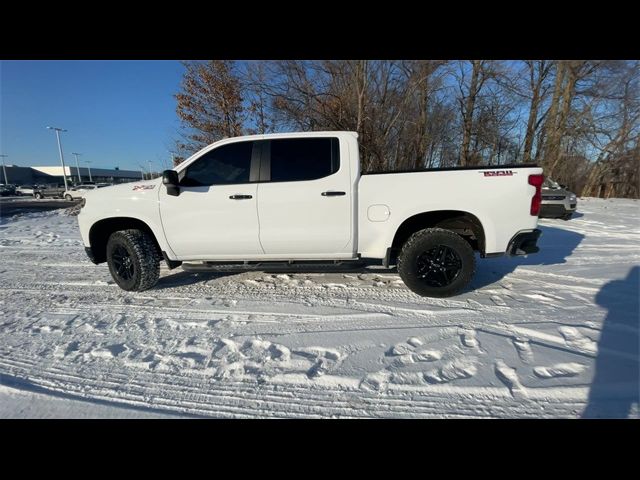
point(39, 196)
point(133, 260)
point(436, 263)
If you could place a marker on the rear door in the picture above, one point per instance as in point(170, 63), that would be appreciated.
point(304, 198)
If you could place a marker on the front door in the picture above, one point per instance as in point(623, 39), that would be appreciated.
point(215, 215)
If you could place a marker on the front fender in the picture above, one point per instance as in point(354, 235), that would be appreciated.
point(138, 201)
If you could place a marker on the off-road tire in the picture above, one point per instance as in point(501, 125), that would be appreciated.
point(425, 240)
point(144, 259)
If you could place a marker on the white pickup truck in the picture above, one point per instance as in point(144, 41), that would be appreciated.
point(300, 198)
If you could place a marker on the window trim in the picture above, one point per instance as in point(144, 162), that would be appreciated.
point(265, 158)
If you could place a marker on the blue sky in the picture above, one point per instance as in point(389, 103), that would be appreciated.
point(117, 113)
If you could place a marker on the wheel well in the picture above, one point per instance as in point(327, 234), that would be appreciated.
point(101, 231)
point(463, 223)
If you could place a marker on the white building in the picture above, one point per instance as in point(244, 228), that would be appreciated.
point(107, 175)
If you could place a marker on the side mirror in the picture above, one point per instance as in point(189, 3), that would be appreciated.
point(171, 181)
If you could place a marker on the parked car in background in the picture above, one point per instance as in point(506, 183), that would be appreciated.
point(50, 191)
point(23, 190)
point(557, 201)
point(7, 190)
point(80, 190)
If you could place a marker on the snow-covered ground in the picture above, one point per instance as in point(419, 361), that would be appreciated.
point(551, 335)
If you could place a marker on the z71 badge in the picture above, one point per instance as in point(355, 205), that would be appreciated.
point(499, 173)
point(142, 187)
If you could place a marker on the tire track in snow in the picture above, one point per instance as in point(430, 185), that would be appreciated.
point(245, 399)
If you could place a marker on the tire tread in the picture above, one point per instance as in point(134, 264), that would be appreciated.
point(145, 255)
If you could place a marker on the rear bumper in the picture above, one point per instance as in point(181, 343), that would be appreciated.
point(524, 243)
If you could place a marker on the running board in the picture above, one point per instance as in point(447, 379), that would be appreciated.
point(272, 264)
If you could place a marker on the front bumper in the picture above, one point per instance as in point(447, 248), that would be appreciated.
point(524, 243)
point(554, 209)
point(89, 253)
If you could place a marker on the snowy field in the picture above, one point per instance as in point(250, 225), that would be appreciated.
point(551, 335)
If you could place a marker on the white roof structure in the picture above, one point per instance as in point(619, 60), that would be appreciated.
point(56, 171)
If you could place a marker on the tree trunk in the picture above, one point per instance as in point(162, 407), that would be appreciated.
point(468, 112)
point(536, 87)
point(550, 129)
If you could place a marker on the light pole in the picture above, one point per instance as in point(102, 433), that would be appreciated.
point(77, 166)
point(150, 175)
point(4, 169)
point(89, 167)
point(64, 169)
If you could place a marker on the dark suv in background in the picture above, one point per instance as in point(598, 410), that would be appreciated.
point(557, 201)
point(7, 190)
point(55, 191)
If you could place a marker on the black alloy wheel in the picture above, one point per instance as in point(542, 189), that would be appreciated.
point(123, 263)
point(439, 266)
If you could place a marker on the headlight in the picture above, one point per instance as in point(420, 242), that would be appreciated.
point(572, 198)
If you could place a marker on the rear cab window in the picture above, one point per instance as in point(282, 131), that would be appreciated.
point(300, 159)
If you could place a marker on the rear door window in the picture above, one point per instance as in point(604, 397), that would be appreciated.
point(299, 159)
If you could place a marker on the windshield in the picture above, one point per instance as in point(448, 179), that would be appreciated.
point(548, 183)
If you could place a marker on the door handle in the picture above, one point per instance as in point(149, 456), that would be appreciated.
point(333, 194)
point(240, 197)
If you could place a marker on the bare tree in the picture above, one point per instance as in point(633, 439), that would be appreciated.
point(260, 114)
point(538, 72)
point(469, 92)
point(580, 120)
point(210, 104)
point(615, 133)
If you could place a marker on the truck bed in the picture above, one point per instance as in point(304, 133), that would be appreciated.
point(499, 197)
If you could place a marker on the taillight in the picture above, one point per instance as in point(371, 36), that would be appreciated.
point(536, 181)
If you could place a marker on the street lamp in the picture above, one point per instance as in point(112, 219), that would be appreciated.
point(4, 169)
point(64, 169)
point(77, 166)
point(89, 167)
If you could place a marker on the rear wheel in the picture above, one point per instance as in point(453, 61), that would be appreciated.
point(133, 260)
point(38, 195)
point(436, 263)
point(68, 197)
